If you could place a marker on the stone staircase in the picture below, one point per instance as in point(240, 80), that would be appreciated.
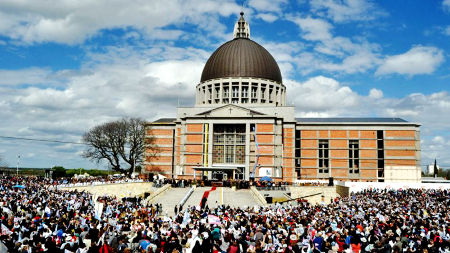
point(239, 198)
point(173, 196)
point(197, 195)
point(170, 198)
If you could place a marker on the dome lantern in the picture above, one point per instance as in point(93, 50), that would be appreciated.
point(241, 28)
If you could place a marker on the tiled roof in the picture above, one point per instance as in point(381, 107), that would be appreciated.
point(164, 120)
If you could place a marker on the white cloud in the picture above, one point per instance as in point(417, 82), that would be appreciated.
point(418, 60)
point(346, 10)
point(24, 76)
point(267, 5)
point(438, 139)
point(434, 148)
point(375, 93)
point(354, 61)
point(313, 28)
point(268, 17)
point(446, 5)
point(333, 53)
point(320, 96)
point(422, 108)
point(72, 22)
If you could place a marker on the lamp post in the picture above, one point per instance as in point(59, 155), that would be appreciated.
point(17, 169)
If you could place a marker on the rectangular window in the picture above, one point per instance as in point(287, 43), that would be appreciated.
point(254, 89)
point(244, 92)
point(263, 91)
point(229, 153)
point(297, 154)
point(240, 154)
point(228, 144)
point(380, 153)
point(216, 95)
point(353, 156)
point(235, 92)
point(217, 154)
point(324, 159)
point(226, 93)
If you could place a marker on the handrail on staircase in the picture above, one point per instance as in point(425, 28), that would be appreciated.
point(187, 196)
point(293, 199)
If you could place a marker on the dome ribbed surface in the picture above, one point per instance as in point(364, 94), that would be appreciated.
point(241, 58)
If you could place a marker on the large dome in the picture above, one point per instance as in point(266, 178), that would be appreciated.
point(241, 57)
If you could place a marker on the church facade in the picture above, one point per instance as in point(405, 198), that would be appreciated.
point(241, 128)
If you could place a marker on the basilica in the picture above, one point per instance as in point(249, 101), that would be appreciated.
point(241, 128)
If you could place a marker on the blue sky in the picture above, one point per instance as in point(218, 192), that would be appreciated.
point(68, 66)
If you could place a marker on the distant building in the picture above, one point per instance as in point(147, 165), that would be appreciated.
point(430, 169)
point(240, 127)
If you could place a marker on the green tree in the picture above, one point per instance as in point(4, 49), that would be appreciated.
point(59, 171)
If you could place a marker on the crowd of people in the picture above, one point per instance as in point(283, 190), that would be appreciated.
point(38, 217)
point(95, 180)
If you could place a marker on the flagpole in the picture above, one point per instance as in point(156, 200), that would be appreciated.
point(17, 169)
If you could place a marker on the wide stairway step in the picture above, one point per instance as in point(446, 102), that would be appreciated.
point(173, 196)
point(170, 198)
point(239, 198)
point(196, 197)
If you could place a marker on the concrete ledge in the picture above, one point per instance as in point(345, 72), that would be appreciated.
point(118, 190)
point(157, 193)
point(257, 196)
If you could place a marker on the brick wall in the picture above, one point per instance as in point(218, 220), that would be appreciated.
point(288, 155)
point(265, 136)
point(399, 149)
point(158, 156)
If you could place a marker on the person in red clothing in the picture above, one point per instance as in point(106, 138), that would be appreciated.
point(233, 248)
point(340, 241)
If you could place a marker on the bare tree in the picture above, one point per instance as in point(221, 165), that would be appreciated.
point(120, 142)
